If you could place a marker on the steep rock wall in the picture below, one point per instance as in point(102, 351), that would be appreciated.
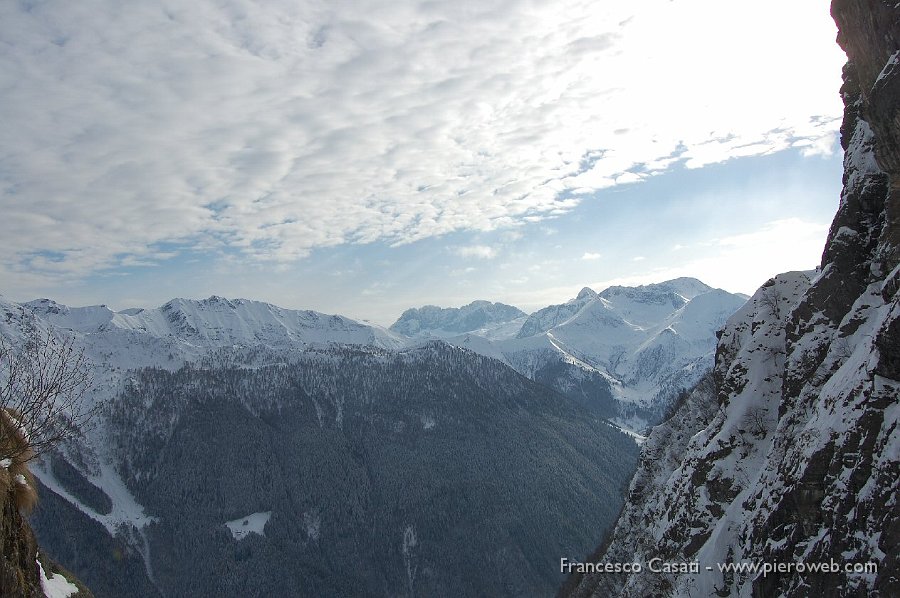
point(800, 461)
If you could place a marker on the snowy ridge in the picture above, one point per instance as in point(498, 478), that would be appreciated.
point(636, 334)
point(217, 322)
point(179, 332)
point(648, 342)
point(183, 331)
point(479, 317)
point(709, 496)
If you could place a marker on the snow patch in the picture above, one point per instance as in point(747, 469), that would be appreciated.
point(254, 523)
point(56, 586)
point(888, 67)
point(638, 439)
point(312, 522)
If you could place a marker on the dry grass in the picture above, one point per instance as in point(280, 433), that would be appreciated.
point(15, 479)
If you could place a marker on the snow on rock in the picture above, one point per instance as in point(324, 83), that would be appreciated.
point(56, 586)
point(790, 453)
point(410, 541)
point(254, 523)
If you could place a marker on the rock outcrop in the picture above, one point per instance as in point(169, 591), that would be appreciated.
point(794, 458)
point(25, 572)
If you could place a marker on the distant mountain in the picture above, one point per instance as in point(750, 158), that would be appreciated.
point(245, 449)
point(185, 382)
point(184, 331)
point(480, 317)
point(625, 352)
point(639, 305)
point(544, 319)
point(212, 323)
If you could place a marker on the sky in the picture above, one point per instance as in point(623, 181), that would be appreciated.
point(366, 156)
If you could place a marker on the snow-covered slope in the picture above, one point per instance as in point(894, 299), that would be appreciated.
point(184, 330)
point(217, 322)
point(149, 481)
point(179, 332)
point(647, 343)
point(636, 335)
point(278, 479)
point(792, 458)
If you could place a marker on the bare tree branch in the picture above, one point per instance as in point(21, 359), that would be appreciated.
point(43, 386)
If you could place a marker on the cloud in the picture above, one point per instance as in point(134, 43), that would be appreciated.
point(591, 256)
point(266, 130)
point(483, 252)
point(743, 262)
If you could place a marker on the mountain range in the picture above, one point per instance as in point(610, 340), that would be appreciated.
point(242, 449)
point(350, 447)
point(625, 352)
point(349, 435)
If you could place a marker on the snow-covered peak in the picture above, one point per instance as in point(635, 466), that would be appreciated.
point(649, 342)
point(585, 294)
point(48, 306)
point(545, 319)
point(685, 286)
point(79, 319)
point(642, 306)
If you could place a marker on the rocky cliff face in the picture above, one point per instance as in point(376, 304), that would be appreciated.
point(793, 456)
point(25, 572)
point(18, 573)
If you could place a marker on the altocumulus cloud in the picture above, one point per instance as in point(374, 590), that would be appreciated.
point(269, 128)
